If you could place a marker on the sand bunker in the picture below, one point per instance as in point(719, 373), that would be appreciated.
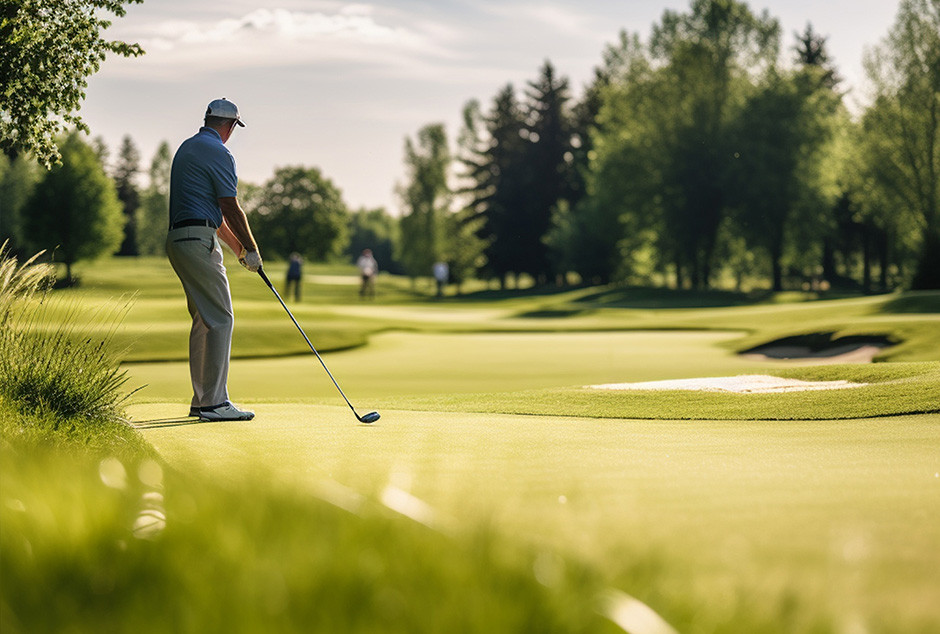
point(743, 384)
point(821, 348)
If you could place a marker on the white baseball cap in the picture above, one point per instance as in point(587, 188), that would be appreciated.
point(224, 109)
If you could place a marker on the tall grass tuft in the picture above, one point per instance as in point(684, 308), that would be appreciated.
point(54, 367)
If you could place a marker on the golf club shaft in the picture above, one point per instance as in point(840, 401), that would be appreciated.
point(278, 295)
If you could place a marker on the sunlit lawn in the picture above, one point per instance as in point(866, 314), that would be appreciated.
point(717, 524)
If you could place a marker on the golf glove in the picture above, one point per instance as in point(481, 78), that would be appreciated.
point(251, 260)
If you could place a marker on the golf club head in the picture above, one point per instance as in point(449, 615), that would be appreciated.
point(371, 417)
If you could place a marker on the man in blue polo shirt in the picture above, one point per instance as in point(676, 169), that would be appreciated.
point(203, 210)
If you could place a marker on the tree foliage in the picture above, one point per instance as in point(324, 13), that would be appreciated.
point(18, 177)
point(376, 230)
point(902, 127)
point(779, 137)
point(73, 212)
point(426, 199)
point(300, 210)
point(125, 180)
point(547, 166)
point(49, 49)
point(152, 215)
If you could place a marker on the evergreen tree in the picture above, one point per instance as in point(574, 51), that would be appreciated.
point(811, 51)
point(125, 177)
point(498, 188)
point(548, 170)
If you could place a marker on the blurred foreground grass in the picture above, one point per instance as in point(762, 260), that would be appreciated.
point(96, 543)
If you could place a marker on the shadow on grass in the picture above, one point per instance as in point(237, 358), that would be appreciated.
point(166, 422)
point(913, 302)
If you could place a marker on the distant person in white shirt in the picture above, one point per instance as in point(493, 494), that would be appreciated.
point(368, 269)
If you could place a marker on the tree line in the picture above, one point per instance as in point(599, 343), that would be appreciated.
point(698, 156)
point(704, 154)
point(87, 206)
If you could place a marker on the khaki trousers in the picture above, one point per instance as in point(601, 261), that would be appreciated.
point(196, 256)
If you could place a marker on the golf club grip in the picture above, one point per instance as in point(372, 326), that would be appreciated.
point(264, 277)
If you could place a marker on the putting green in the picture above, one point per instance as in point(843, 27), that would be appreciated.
point(836, 514)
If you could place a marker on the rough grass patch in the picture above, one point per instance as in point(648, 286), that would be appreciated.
point(63, 365)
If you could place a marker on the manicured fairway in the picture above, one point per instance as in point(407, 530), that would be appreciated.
point(419, 364)
point(826, 517)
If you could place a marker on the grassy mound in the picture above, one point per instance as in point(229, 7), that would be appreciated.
point(890, 390)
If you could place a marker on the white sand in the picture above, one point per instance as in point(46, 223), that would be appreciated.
point(743, 384)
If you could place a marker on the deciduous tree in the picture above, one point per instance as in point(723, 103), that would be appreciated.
point(153, 213)
point(902, 127)
point(74, 212)
point(300, 210)
point(49, 49)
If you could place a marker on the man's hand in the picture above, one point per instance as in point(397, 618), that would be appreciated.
point(251, 260)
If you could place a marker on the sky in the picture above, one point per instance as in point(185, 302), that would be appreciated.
point(341, 85)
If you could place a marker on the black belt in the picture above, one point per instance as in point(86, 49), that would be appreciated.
point(192, 222)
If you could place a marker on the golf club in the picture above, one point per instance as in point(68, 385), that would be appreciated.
point(371, 417)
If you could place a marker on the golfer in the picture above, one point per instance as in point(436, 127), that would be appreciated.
point(203, 210)
point(368, 269)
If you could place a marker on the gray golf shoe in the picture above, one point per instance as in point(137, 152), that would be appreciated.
point(225, 411)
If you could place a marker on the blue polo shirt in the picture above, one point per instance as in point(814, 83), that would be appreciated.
point(203, 171)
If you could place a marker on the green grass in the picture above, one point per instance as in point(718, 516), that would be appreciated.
point(336, 319)
point(712, 511)
point(720, 526)
point(897, 389)
point(92, 543)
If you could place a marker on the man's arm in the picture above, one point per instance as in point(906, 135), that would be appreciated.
point(225, 235)
point(236, 233)
point(235, 223)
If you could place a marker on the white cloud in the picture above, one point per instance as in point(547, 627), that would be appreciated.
point(279, 37)
point(572, 23)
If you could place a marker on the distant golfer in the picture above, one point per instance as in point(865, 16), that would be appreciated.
point(295, 275)
point(368, 269)
point(441, 275)
point(204, 209)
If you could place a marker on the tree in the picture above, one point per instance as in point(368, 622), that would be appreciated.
point(300, 210)
point(599, 232)
point(426, 199)
point(374, 229)
point(779, 139)
point(707, 57)
point(49, 49)
point(74, 212)
point(495, 167)
point(548, 172)
point(125, 180)
point(811, 51)
point(464, 253)
point(153, 213)
point(17, 180)
point(902, 127)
